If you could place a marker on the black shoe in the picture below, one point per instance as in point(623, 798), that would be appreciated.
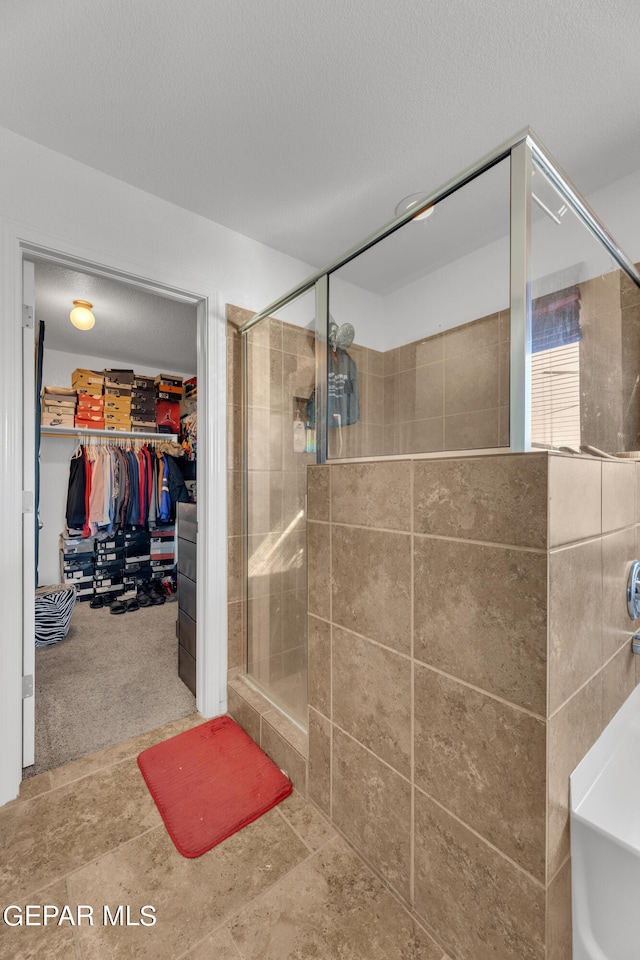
point(96, 602)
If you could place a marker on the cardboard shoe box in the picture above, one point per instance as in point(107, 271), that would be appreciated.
point(89, 404)
point(168, 416)
point(117, 378)
point(86, 380)
point(57, 420)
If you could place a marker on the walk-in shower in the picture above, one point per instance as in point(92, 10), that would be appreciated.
point(495, 324)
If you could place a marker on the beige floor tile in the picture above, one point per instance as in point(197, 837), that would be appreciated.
point(191, 896)
point(330, 906)
point(35, 785)
point(37, 940)
point(85, 766)
point(46, 837)
point(219, 946)
point(310, 826)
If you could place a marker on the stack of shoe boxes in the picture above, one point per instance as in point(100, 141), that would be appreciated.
point(137, 557)
point(108, 573)
point(163, 552)
point(76, 565)
point(89, 385)
point(117, 399)
point(143, 405)
point(58, 407)
point(168, 397)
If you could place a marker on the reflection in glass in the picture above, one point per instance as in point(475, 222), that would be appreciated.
point(280, 380)
point(428, 370)
point(585, 360)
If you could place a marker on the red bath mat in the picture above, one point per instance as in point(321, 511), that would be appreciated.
point(210, 782)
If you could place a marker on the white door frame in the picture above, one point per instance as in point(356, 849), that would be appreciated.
point(16, 435)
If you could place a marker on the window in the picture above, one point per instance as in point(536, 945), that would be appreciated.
point(555, 369)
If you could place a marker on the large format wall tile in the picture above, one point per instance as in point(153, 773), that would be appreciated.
point(372, 494)
point(502, 499)
point(575, 499)
point(371, 804)
point(319, 568)
point(618, 495)
point(372, 697)
point(618, 682)
point(474, 430)
point(473, 336)
point(371, 584)
point(481, 615)
point(618, 552)
point(421, 392)
point(571, 733)
point(465, 745)
point(420, 352)
point(575, 619)
point(471, 380)
point(420, 436)
point(319, 492)
point(559, 939)
point(319, 772)
point(319, 643)
point(483, 907)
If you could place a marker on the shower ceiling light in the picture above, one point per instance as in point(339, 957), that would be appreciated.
point(81, 316)
point(413, 200)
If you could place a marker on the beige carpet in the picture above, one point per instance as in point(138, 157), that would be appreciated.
point(111, 678)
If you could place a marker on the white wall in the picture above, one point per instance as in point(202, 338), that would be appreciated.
point(59, 204)
point(478, 284)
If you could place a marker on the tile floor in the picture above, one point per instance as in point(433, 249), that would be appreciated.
point(284, 887)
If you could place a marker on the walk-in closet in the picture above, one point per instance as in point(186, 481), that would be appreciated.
point(116, 490)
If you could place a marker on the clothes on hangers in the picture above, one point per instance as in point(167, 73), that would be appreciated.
point(112, 486)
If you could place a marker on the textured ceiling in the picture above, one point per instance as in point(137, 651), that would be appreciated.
point(303, 124)
point(131, 324)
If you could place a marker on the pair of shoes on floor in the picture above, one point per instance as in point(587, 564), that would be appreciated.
point(150, 594)
point(124, 606)
point(100, 600)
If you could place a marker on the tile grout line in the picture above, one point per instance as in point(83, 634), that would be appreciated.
point(450, 676)
point(450, 813)
point(101, 856)
point(253, 904)
point(505, 856)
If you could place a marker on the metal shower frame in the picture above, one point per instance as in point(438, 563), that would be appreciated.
point(523, 150)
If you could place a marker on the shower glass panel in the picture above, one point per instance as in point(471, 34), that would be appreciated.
point(421, 364)
point(585, 333)
point(279, 357)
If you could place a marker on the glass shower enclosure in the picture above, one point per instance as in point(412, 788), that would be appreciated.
point(494, 314)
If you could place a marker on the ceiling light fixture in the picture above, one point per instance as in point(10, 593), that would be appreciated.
point(81, 316)
point(413, 200)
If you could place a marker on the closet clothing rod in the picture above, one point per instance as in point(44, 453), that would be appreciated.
point(114, 435)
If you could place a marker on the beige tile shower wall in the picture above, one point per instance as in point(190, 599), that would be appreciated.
point(281, 367)
point(630, 310)
point(593, 537)
point(603, 397)
point(427, 676)
point(468, 641)
point(449, 391)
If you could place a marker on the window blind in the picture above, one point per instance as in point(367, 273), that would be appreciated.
point(555, 396)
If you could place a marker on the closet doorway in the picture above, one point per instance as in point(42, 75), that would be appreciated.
point(112, 676)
